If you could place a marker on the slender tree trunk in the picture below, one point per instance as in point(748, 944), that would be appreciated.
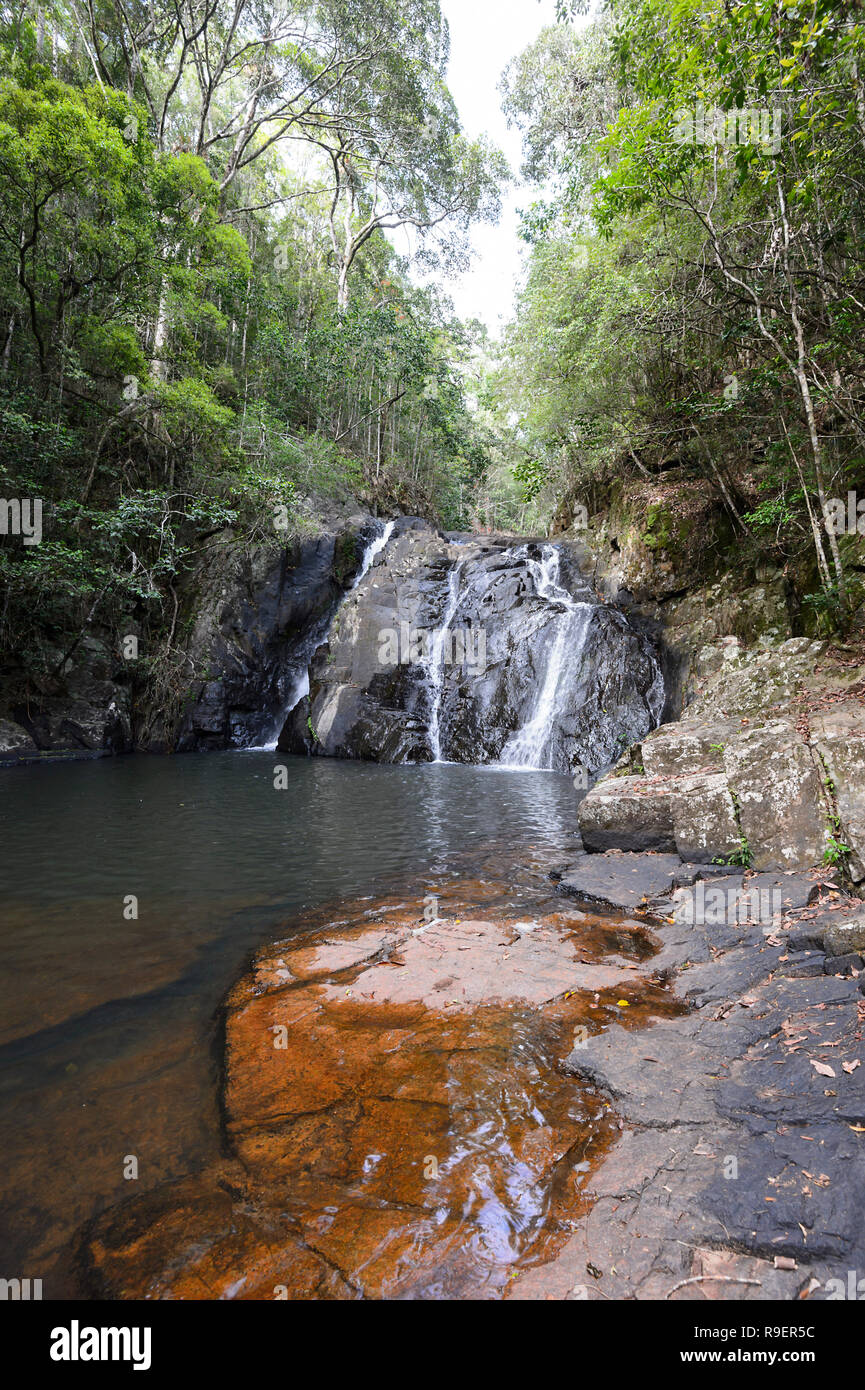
point(7, 345)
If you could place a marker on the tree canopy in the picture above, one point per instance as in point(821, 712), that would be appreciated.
point(203, 324)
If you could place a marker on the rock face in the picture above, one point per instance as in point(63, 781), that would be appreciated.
point(630, 882)
point(777, 787)
point(560, 1106)
point(257, 623)
point(838, 735)
point(256, 618)
point(664, 550)
point(477, 651)
point(704, 817)
point(85, 708)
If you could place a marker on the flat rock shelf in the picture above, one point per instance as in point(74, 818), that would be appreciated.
point(396, 1118)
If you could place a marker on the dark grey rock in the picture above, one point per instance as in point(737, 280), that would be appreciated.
point(806, 938)
point(842, 965)
point(802, 965)
point(629, 880)
point(737, 1150)
point(372, 694)
point(258, 620)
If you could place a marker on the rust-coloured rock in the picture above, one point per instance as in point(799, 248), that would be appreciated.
point(398, 1123)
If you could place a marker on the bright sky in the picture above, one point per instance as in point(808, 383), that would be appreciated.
point(485, 36)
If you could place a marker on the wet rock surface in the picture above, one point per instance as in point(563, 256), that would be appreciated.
point(247, 622)
point(445, 648)
point(541, 1104)
point(396, 1122)
point(258, 618)
point(737, 1174)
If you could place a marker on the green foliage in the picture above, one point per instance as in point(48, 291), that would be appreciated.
point(836, 852)
point(190, 358)
point(740, 858)
point(693, 305)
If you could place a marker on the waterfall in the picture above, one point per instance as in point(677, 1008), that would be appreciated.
point(532, 745)
point(318, 633)
point(374, 548)
point(515, 663)
point(436, 661)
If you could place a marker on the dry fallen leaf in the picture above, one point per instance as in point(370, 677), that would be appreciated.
point(822, 1068)
point(850, 1067)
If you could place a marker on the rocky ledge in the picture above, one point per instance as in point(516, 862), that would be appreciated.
point(396, 1121)
point(738, 1170)
point(766, 767)
point(666, 1101)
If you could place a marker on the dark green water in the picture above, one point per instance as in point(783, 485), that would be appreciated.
point(109, 1036)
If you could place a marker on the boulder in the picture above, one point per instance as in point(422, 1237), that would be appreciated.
point(851, 964)
point(15, 742)
point(628, 813)
point(842, 938)
point(688, 746)
point(839, 736)
point(693, 815)
point(704, 818)
point(629, 881)
point(771, 773)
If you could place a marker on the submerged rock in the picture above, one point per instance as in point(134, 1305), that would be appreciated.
point(396, 1123)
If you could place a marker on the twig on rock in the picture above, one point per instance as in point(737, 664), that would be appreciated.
point(711, 1279)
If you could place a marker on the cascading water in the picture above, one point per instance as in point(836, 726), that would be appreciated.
point(532, 745)
point(319, 632)
point(374, 548)
point(436, 664)
point(520, 664)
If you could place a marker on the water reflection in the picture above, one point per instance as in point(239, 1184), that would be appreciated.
point(109, 1043)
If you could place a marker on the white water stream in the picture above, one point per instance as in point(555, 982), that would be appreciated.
point(301, 687)
point(533, 744)
point(436, 666)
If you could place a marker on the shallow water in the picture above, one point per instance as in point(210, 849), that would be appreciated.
point(109, 1039)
